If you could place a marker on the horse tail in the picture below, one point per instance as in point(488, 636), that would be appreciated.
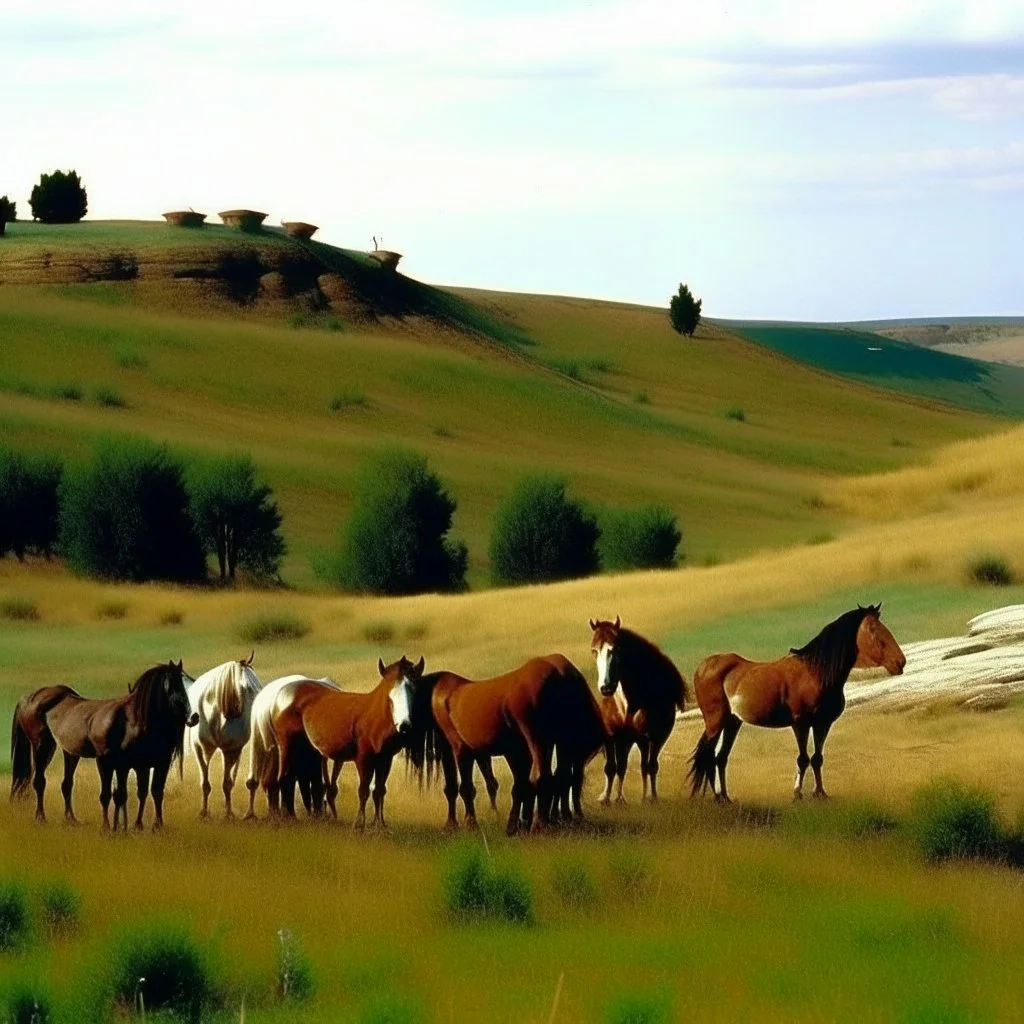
point(21, 758)
point(421, 750)
point(702, 765)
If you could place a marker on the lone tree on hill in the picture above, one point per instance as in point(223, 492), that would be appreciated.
point(59, 198)
point(236, 518)
point(8, 212)
point(684, 311)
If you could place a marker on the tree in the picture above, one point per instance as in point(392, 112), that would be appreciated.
point(396, 539)
point(684, 311)
point(59, 198)
point(541, 534)
point(236, 518)
point(647, 537)
point(124, 515)
point(28, 503)
point(8, 212)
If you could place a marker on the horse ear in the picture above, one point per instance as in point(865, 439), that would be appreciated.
point(878, 608)
point(381, 667)
point(618, 622)
point(420, 666)
point(593, 624)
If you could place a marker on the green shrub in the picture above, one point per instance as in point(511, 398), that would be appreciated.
point(124, 515)
point(629, 872)
point(130, 359)
point(236, 518)
point(269, 627)
point(641, 397)
point(26, 1002)
point(574, 886)
point(294, 971)
point(107, 396)
point(19, 609)
point(165, 963)
point(112, 610)
point(379, 632)
point(350, 398)
point(540, 534)
point(67, 392)
point(334, 323)
point(396, 538)
point(297, 320)
point(736, 412)
point(474, 889)
point(29, 507)
point(646, 537)
point(990, 570)
point(684, 311)
point(61, 907)
point(951, 821)
point(171, 617)
point(392, 1009)
point(633, 1008)
point(59, 198)
point(15, 924)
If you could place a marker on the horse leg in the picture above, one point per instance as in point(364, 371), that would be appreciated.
point(45, 750)
point(230, 771)
point(121, 798)
point(106, 777)
point(609, 772)
point(644, 745)
point(801, 731)
point(332, 788)
point(625, 748)
point(365, 769)
point(204, 769)
point(142, 787)
point(729, 732)
point(543, 788)
point(653, 764)
point(380, 789)
point(520, 793)
point(577, 789)
point(68, 785)
point(820, 735)
point(451, 785)
point(466, 788)
point(159, 781)
point(257, 758)
point(487, 771)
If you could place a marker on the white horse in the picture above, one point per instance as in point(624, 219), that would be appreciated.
point(263, 754)
point(223, 699)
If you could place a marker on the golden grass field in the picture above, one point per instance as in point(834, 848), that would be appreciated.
point(760, 912)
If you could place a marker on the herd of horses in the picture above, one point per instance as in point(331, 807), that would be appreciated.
point(542, 718)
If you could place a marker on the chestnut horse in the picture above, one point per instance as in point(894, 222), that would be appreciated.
point(803, 691)
point(640, 692)
point(144, 731)
point(520, 716)
point(368, 728)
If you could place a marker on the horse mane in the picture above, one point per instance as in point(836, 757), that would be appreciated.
point(150, 700)
point(833, 652)
point(651, 662)
point(423, 746)
point(230, 685)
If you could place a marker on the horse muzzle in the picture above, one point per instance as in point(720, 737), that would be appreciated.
point(607, 691)
point(193, 720)
point(405, 728)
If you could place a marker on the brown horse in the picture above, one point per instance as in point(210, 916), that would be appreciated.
point(519, 716)
point(144, 731)
point(368, 728)
point(640, 692)
point(803, 691)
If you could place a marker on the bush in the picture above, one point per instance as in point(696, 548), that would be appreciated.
point(684, 311)
point(236, 518)
point(124, 515)
point(8, 212)
point(641, 397)
point(167, 965)
point(19, 609)
point(951, 821)
point(266, 628)
point(379, 632)
point(26, 1002)
point(540, 534)
point(59, 198)
point(392, 1009)
point(574, 886)
point(14, 917)
point(171, 617)
point(736, 412)
point(29, 488)
point(67, 392)
point(294, 971)
point(112, 610)
point(396, 539)
point(130, 359)
point(474, 889)
point(651, 1008)
point(108, 397)
point(647, 537)
point(629, 873)
point(61, 908)
point(990, 570)
point(351, 398)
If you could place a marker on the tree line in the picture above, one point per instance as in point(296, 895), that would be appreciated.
point(136, 511)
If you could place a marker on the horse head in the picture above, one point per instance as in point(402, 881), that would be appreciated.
point(605, 647)
point(177, 695)
point(402, 678)
point(876, 646)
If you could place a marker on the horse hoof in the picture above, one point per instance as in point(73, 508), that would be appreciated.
point(139, 827)
point(470, 823)
point(797, 795)
point(621, 801)
point(605, 801)
point(820, 794)
point(203, 815)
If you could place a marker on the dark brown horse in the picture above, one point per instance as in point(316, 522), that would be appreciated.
point(640, 692)
point(802, 691)
point(143, 730)
point(522, 716)
point(368, 728)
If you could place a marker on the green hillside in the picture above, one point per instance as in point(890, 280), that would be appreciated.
point(896, 364)
point(489, 386)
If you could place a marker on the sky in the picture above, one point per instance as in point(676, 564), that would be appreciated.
point(802, 160)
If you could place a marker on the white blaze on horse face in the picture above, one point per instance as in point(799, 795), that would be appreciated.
point(604, 661)
point(401, 704)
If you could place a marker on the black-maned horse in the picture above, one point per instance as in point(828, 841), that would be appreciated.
point(142, 731)
point(641, 689)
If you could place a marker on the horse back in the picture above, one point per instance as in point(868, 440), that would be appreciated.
point(89, 728)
